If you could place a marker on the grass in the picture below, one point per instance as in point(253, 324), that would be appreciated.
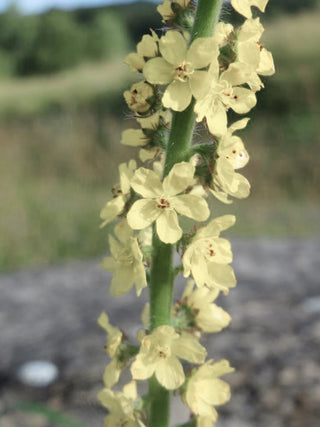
point(67, 90)
point(60, 149)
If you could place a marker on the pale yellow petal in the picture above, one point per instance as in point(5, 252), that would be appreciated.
point(143, 213)
point(173, 47)
point(169, 373)
point(134, 61)
point(266, 64)
point(199, 82)
point(177, 96)
point(134, 138)
point(158, 71)
point(111, 210)
point(179, 178)
point(188, 348)
point(126, 172)
point(141, 370)
point(147, 47)
point(242, 7)
point(201, 52)
point(167, 226)
point(147, 183)
point(122, 281)
point(243, 100)
point(221, 276)
point(111, 374)
point(192, 206)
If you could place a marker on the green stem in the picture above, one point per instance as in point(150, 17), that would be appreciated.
point(162, 277)
point(207, 16)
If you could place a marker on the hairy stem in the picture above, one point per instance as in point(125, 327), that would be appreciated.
point(162, 277)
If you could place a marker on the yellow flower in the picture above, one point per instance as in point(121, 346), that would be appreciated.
point(126, 262)
point(205, 390)
point(230, 156)
point(124, 407)
point(146, 48)
point(137, 97)
point(251, 52)
point(207, 316)
point(162, 201)
point(121, 193)
point(114, 335)
point(207, 256)
point(217, 93)
point(179, 67)
point(114, 339)
point(159, 354)
point(244, 6)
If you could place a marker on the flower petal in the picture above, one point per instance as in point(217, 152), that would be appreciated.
point(201, 52)
point(112, 209)
point(188, 348)
point(141, 368)
point(134, 138)
point(147, 183)
point(158, 71)
point(192, 206)
point(179, 178)
point(168, 228)
point(122, 281)
point(242, 100)
point(169, 373)
point(177, 95)
point(173, 47)
point(143, 213)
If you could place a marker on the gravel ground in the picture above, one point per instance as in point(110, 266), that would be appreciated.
point(273, 340)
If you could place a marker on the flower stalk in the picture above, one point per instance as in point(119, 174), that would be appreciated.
point(195, 72)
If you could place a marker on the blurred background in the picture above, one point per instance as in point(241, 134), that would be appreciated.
point(62, 113)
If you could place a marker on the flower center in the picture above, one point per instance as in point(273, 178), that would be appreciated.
point(183, 71)
point(163, 351)
point(163, 204)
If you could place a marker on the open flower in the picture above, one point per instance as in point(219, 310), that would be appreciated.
point(126, 262)
point(205, 390)
point(230, 156)
point(121, 193)
point(162, 201)
point(124, 407)
point(207, 256)
point(114, 335)
point(207, 316)
point(244, 6)
point(159, 354)
point(117, 348)
point(217, 93)
point(251, 52)
point(179, 67)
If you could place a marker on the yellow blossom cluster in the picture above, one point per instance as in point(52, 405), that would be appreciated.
point(212, 75)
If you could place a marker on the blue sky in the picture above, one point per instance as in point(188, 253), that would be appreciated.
point(36, 6)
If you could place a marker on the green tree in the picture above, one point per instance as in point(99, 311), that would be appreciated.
point(60, 43)
point(107, 36)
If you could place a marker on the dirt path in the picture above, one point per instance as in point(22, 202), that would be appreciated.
point(273, 340)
